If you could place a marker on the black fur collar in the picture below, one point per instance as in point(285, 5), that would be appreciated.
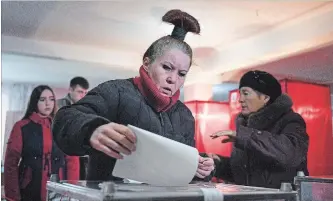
point(268, 115)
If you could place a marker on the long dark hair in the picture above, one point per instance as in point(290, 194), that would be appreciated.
point(34, 98)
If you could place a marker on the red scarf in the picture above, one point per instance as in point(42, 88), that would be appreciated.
point(149, 90)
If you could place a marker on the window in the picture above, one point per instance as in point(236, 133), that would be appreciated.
point(4, 109)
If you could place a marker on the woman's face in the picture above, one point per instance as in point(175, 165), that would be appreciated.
point(168, 71)
point(46, 103)
point(251, 101)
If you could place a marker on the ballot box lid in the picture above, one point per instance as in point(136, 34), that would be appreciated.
point(319, 188)
point(124, 191)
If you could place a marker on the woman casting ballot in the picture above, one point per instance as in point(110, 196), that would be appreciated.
point(95, 125)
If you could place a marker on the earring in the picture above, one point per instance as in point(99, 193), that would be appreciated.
point(145, 68)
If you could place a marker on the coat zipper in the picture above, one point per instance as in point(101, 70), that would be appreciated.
point(162, 121)
point(161, 117)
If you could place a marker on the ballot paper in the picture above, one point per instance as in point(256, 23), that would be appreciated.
point(158, 161)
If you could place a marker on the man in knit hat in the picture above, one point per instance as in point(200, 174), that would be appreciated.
point(270, 141)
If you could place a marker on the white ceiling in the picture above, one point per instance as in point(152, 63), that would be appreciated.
point(111, 36)
point(124, 25)
point(314, 66)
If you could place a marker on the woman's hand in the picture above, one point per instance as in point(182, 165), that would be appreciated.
point(231, 135)
point(113, 139)
point(214, 156)
point(205, 167)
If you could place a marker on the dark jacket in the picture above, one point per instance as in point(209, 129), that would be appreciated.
point(65, 101)
point(31, 157)
point(117, 101)
point(270, 147)
point(82, 166)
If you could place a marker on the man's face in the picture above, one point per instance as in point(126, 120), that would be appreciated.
point(77, 92)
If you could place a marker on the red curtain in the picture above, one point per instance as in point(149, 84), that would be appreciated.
point(313, 103)
point(210, 117)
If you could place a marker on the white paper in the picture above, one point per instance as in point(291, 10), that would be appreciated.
point(158, 161)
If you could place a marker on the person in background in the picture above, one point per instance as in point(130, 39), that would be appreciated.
point(78, 88)
point(31, 154)
point(96, 125)
point(270, 143)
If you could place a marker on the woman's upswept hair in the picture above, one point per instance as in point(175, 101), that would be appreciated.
point(183, 23)
point(34, 98)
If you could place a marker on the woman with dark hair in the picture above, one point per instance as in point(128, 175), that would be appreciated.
point(270, 141)
point(31, 155)
point(96, 125)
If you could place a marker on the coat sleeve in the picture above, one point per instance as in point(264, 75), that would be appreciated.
point(73, 168)
point(12, 158)
point(189, 123)
point(286, 149)
point(73, 125)
point(223, 169)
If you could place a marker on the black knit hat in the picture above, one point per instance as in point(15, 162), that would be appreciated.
point(263, 82)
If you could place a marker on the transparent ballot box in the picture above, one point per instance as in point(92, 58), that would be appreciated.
point(314, 188)
point(201, 191)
